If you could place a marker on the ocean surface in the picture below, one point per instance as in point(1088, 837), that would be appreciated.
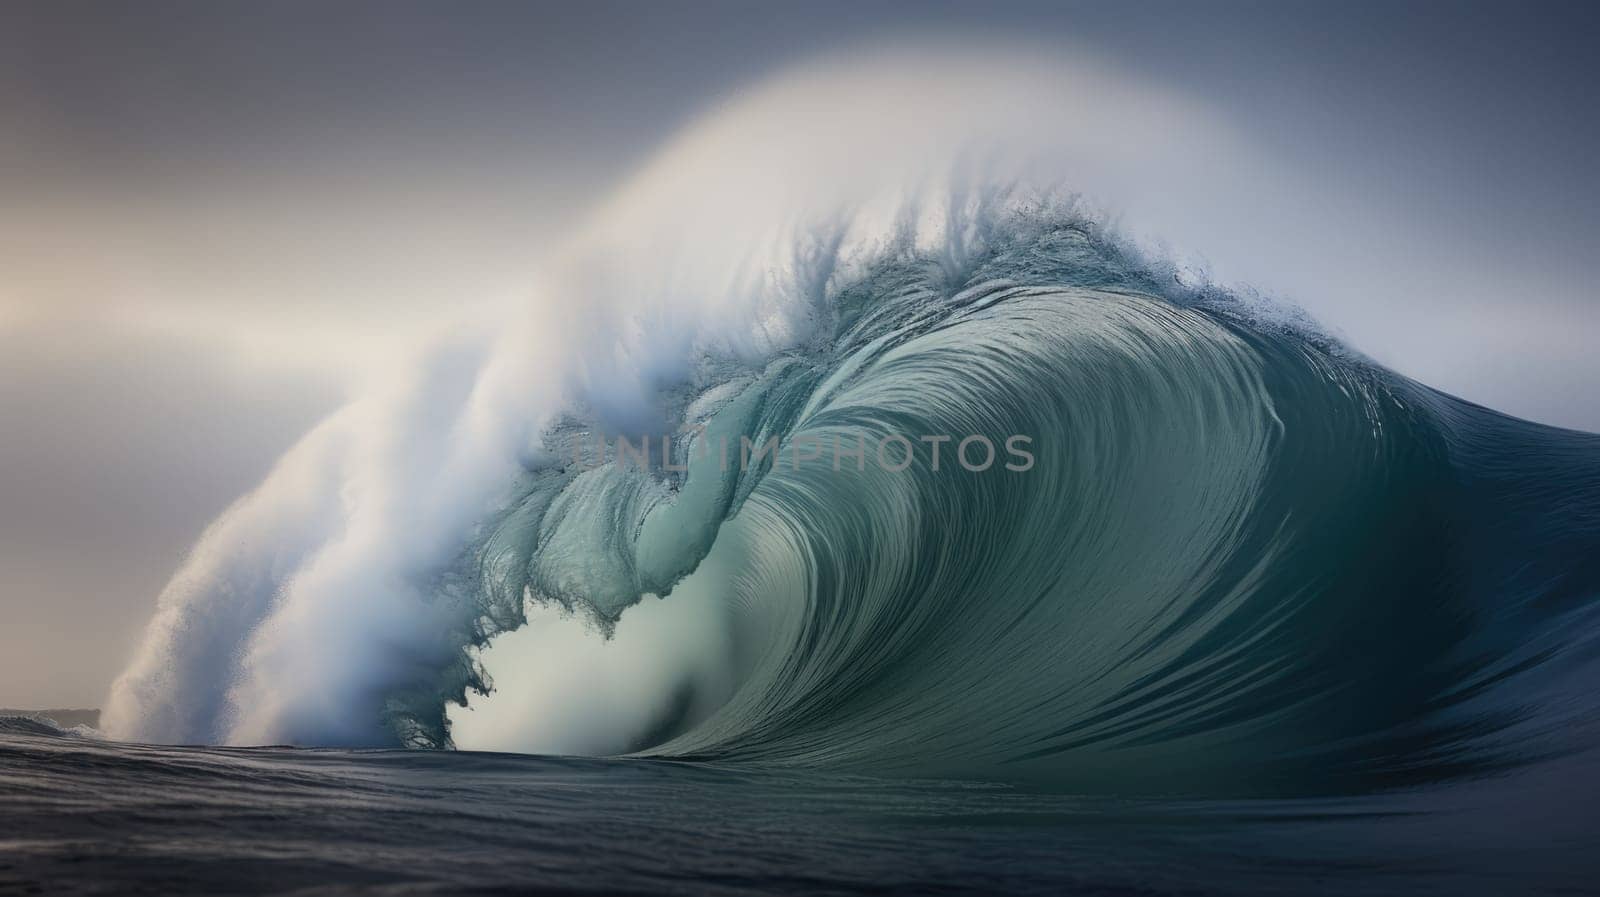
point(80, 815)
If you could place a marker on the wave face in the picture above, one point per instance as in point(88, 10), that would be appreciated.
point(1245, 560)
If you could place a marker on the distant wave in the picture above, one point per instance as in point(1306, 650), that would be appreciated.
point(27, 725)
point(43, 726)
point(1247, 560)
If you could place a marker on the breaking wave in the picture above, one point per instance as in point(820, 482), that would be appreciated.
point(1244, 559)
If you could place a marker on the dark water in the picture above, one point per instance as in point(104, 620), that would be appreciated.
point(84, 816)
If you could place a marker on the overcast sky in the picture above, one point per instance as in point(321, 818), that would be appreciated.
point(214, 216)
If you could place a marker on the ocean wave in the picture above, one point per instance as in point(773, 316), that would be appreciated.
point(1244, 559)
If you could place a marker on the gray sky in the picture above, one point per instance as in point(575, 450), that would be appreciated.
point(213, 216)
